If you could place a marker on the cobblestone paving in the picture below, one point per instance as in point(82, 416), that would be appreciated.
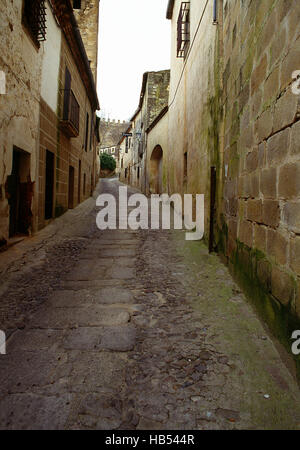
point(133, 330)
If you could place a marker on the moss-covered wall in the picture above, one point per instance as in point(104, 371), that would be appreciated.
point(194, 106)
point(259, 228)
point(231, 106)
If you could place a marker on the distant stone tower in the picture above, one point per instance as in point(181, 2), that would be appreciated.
point(87, 15)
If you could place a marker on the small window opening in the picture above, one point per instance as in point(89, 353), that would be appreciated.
point(185, 166)
point(77, 4)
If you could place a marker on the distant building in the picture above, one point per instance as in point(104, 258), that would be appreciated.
point(125, 156)
point(111, 131)
point(153, 99)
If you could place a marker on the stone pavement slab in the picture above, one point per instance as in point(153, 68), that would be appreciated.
point(135, 330)
point(115, 338)
point(90, 316)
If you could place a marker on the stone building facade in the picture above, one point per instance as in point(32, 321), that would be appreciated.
point(158, 154)
point(153, 99)
point(74, 156)
point(87, 16)
point(231, 131)
point(21, 61)
point(233, 135)
point(48, 129)
point(126, 155)
point(112, 151)
point(111, 132)
point(261, 165)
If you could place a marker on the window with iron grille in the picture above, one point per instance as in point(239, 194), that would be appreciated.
point(34, 19)
point(183, 30)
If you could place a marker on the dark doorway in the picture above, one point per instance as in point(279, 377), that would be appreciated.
point(156, 170)
point(185, 172)
point(79, 181)
point(49, 185)
point(19, 191)
point(71, 188)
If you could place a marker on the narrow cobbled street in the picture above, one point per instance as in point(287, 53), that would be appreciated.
point(133, 330)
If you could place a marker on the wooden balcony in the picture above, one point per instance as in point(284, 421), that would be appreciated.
point(69, 124)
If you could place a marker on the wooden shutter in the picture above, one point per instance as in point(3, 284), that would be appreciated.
point(67, 94)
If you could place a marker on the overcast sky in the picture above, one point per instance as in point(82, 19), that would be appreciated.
point(134, 37)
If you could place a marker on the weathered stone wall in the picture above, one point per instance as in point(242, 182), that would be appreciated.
point(127, 159)
point(51, 60)
point(156, 95)
point(194, 106)
point(21, 61)
point(262, 153)
point(48, 141)
point(231, 107)
point(138, 140)
point(88, 22)
point(157, 137)
point(111, 132)
point(72, 150)
point(30, 113)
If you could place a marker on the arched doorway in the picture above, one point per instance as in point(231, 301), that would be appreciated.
point(156, 170)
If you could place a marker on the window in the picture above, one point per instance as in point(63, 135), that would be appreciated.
point(77, 4)
point(86, 132)
point(91, 134)
point(34, 19)
point(185, 167)
point(67, 92)
point(113, 150)
point(183, 30)
point(70, 119)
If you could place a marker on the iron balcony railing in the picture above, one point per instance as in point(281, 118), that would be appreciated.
point(183, 30)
